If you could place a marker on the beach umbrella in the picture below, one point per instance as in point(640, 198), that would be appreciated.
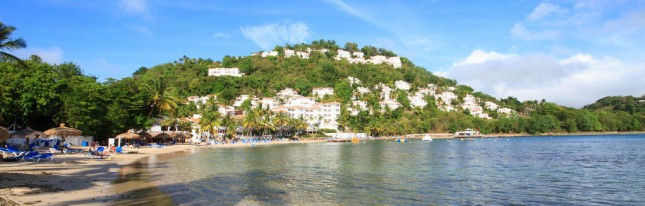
point(63, 131)
point(127, 135)
point(179, 135)
point(4, 134)
point(28, 133)
point(156, 135)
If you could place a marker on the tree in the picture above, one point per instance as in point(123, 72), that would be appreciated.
point(160, 97)
point(343, 90)
point(351, 46)
point(9, 44)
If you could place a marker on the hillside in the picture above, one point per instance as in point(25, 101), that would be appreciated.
point(629, 104)
point(44, 95)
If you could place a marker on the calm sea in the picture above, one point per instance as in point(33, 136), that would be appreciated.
point(571, 170)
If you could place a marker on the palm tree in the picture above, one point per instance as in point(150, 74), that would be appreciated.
point(209, 124)
point(250, 122)
point(161, 100)
point(6, 43)
point(280, 121)
point(301, 125)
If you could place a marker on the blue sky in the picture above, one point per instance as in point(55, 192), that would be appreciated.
point(571, 52)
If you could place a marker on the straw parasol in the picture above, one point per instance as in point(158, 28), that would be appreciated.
point(63, 131)
point(28, 133)
point(155, 135)
point(4, 134)
point(127, 135)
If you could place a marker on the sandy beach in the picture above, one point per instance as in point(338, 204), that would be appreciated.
point(73, 179)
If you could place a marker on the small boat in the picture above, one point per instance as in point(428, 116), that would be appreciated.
point(427, 138)
point(467, 139)
point(468, 133)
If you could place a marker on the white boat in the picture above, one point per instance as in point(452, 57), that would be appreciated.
point(427, 138)
point(468, 133)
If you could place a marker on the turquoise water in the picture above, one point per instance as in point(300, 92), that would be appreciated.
point(581, 170)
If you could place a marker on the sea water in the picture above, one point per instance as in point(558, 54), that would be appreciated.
point(559, 170)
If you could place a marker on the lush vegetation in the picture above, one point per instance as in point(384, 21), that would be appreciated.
point(41, 95)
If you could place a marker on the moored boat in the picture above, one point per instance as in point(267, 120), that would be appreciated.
point(427, 138)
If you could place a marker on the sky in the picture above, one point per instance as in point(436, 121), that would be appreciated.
point(572, 52)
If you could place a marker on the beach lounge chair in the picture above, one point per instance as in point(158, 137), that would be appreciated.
point(44, 156)
point(119, 150)
point(34, 156)
point(27, 156)
point(99, 153)
point(56, 149)
point(12, 149)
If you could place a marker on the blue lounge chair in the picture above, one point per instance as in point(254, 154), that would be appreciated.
point(119, 150)
point(26, 156)
point(44, 156)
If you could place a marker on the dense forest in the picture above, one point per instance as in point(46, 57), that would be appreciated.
point(40, 95)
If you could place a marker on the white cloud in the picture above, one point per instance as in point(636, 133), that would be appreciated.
point(519, 31)
point(544, 10)
point(136, 7)
point(222, 35)
point(53, 55)
point(479, 56)
point(574, 81)
point(353, 11)
point(269, 35)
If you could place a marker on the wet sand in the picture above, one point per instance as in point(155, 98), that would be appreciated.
point(73, 179)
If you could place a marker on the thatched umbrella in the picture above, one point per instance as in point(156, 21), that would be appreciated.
point(127, 135)
point(4, 134)
point(179, 135)
point(28, 133)
point(63, 131)
point(156, 135)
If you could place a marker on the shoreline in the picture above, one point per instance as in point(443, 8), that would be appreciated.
point(72, 179)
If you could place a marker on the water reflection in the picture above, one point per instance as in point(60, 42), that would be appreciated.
point(537, 170)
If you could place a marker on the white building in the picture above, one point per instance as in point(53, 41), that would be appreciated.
point(318, 116)
point(363, 90)
point(300, 101)
point(201, 100)
point(353, 80)
point(240, 99)
point(427, 91)
point(224, 72)
point(322, 91)
point(389, 104)
point(287, 93)
point(304, 55)
point(270, 54)
point(446, 97)
point(417, 100)
point(226, 110)
point(503, 110)
point(342, 54)
point(394, 61)
point(491, 105)
point(378, 59)
point(289, 53)
point(267, 102)
point(402, 85)
point(358, 54)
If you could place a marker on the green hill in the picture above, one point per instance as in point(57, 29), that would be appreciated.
point(44, 95)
